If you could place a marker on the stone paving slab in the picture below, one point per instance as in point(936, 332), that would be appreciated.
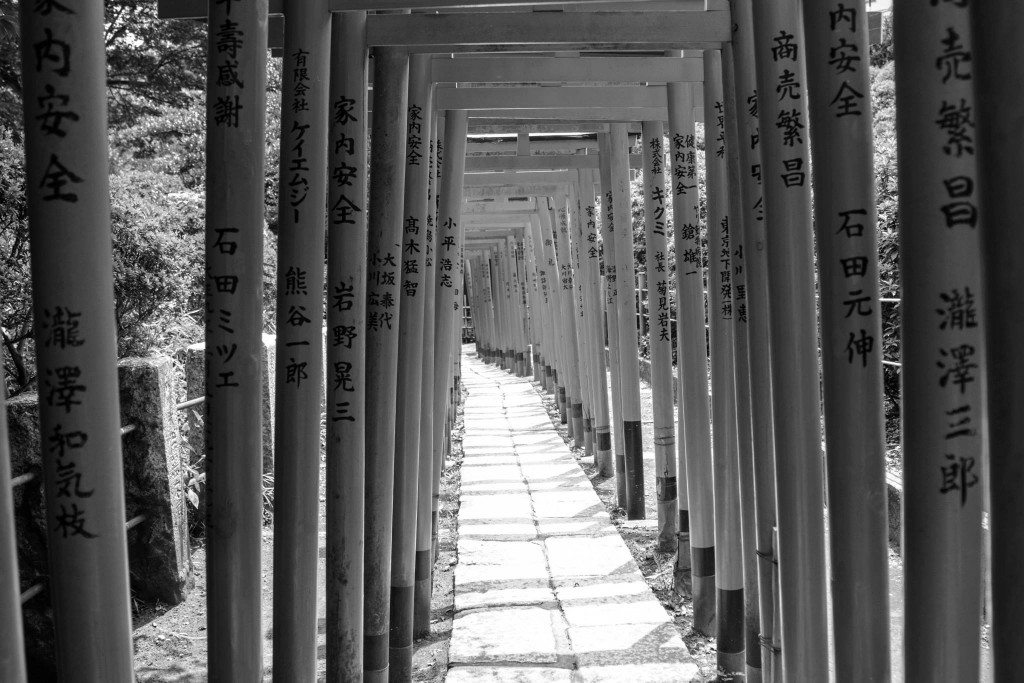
point(545, 588)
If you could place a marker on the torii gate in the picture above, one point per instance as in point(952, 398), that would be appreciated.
point(761, 44)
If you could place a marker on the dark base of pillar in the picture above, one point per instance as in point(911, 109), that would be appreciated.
point(634, 470)
point(731, 657)
point(704, 598)
point(620, 480)
point(578, 432)
point(423, 590)
point(375, 658)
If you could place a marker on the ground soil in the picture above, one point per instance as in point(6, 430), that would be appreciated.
point(170, 642)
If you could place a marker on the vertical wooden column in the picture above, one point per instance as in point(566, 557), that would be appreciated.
point(941, 350)
point(741, 373)
point(501, 261)
point(590, 261)
point(410, 370)
point(544, 277)
point(450, 234)
point(694, 441)
point(611, 318)
point(63, 68)
point(759, 378)
point(384, 272)
point(346, 346)
point(579, 309)
point(721, 316)
point(655, 222)
point(424, 522)
point(781, 54)
point(300, 343)
point(586, 436)
point(562, 370)
point(574, 396)
point(12, 652)
point(522, 304)
point(558, 319)
point(845, 219)
point(549, 284)
point(997, 48)
point(234, 321)
point(536, 304)
point(629, 363)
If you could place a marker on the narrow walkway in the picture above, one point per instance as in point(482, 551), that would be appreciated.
point(545, 589)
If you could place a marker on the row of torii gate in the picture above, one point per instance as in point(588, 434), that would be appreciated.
point(764, 77)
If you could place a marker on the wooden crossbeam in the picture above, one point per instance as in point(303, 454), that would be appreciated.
point(608, 114)
point(511, 190)
point(540, 162)
point(538, 145)
point(196, 9)
point(520, 179)
point(492, 126)
point(540, 97)
point(444, 32)
point(517, 69)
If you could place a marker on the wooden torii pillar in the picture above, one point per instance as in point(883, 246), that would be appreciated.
point(299, 378)
point(849, 307)
point(410, 368)
point(757, 467)
point(996, 53)
point(660, 341)
point(346, 346)
point(942, 343)
point(63, 69)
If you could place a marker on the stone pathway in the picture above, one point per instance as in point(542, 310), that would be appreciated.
point(545, 589)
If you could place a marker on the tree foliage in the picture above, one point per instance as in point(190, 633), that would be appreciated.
point(151, 62)
point(156, 104)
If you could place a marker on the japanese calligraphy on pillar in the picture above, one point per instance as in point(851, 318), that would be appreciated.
point(723, 250)
point(300, 287)
point(612, 288)
point(954, 219)
point(346, 288)
point(657, 268)
point(346, 203)
point(447, 255)
point(788, 116)
point(417, 223)
point(684, 188)
point(57, 179)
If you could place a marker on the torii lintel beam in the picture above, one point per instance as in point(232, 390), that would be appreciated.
point(540, 162)
point(485, 126)
point(516, 69)
point(520, 179)
point(559, 97)
point(510, 190)
point(539, 31)
point(420, 32)
point(196, 9)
